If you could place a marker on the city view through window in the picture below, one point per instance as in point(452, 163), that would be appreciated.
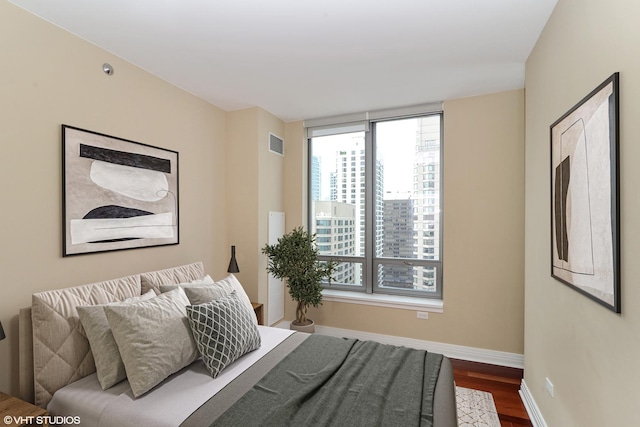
point(391, 178)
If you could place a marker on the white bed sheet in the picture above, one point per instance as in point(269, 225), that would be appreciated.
point(168, 404)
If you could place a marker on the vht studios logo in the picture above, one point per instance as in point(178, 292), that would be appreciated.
point(41, 420)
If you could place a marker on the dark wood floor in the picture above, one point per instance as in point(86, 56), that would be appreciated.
point(500, 381)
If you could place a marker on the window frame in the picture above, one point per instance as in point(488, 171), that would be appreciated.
point(369, 261)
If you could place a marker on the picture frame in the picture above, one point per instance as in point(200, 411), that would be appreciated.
point(117, 194)
point(585, 212)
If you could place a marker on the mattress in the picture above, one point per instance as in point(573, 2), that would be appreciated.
point(168, 404)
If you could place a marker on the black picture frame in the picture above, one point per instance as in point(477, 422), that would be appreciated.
point(585, 196)
point(116, 194)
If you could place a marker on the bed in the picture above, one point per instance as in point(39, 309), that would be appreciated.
point(277, 376)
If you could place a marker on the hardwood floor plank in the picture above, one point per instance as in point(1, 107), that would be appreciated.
point(502, 382)
point(515, 381)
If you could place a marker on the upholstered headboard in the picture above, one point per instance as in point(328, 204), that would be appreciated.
point(54, 350)
point(182, 274)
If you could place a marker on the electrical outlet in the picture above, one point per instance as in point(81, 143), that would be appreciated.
point(423, 315)
point(548, 385)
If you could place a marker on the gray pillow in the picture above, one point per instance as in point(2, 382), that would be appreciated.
point(223, 331)
point(109, 366)
point(153, 337)
point(206, 280)
point(204, 294)
point(220, 288)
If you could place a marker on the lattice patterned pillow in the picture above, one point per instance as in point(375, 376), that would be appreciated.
point(223, 330)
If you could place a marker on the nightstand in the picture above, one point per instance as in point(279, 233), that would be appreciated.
point(258, 308)
point(16, 412)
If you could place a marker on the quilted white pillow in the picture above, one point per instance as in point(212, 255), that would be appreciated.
point(153, 337)
point(105, 352)
point(223, 331)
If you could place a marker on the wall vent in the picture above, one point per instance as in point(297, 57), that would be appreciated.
point(276, 144)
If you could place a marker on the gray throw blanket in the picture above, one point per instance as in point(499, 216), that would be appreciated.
point(329, 381)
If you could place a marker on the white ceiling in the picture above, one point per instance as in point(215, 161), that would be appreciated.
point(301, 59)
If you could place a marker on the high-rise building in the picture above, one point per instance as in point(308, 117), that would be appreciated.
point(348, 186)
point(335, 235)
point(333, 186)
point(426, 196)
point(398, 242)
point(315, 178)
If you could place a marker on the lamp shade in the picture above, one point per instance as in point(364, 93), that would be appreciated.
point(233, 264)
point(2, 335)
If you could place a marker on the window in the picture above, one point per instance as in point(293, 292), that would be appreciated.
point(386, 205)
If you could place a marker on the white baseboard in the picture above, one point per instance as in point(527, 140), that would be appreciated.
point(530, 405)
point(453, 351)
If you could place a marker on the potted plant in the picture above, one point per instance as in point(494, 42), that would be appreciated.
point(295, 258)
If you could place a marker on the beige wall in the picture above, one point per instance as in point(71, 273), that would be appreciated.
point(270, 193)
point(295, 189)
point(254, 176)
point(295, 178)
point(483, 226)
point(50, 77)
point(242, 200)
point(589, 353)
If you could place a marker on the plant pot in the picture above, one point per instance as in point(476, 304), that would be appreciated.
point(308, 327)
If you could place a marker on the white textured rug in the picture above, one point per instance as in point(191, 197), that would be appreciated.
point(476, 408)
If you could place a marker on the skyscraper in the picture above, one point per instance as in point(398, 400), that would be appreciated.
point(348, 186)
point(426, 196)
point(315, 178)
point(335, 235)
point(398, 241)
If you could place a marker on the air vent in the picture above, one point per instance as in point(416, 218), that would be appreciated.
point(276, 144)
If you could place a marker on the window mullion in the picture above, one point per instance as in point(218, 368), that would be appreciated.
point(369, 218)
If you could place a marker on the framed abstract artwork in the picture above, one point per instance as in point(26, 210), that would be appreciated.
point(585, 218)
point(117, 194)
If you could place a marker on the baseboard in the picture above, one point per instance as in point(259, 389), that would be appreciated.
point(530, 405)
point(453, 351)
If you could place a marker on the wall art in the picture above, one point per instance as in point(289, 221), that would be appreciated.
point(117, 194)
point(585, 235)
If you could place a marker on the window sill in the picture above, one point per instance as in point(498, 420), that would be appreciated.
point(391, 301)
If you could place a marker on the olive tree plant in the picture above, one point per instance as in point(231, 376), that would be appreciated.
point(295, 259)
